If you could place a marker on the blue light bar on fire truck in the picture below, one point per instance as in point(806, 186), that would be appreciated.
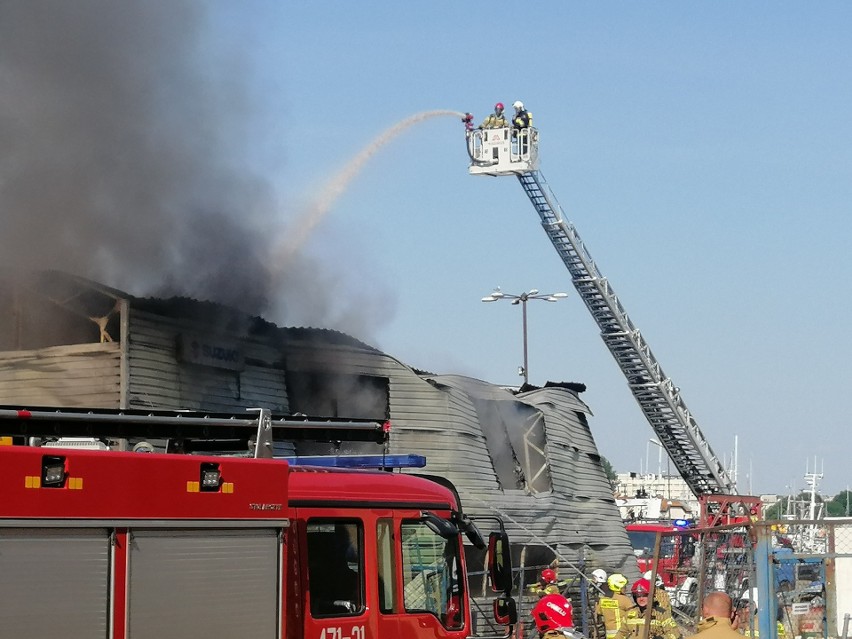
point(681, 523)
point(358, 461)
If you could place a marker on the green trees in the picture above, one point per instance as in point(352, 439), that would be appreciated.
point(840, 505)
point(609, 470)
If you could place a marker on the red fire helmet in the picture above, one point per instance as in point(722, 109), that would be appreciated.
point(641, 588)
point(553, 612)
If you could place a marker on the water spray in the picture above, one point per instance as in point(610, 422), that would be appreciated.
point(334, 188)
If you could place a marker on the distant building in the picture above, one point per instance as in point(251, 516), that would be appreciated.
point(654, 497)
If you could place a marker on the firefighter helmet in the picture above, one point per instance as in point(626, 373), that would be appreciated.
point(617, 582)
point(548, 576)
point(599, 576)
point(498, 107)
point(641, 588)
point(519, 106)
point(658, 580)
point(749, 596)
point(553, 612)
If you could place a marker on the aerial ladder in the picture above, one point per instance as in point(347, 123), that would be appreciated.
point(499, 152)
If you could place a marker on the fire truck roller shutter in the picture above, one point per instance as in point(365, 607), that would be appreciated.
point(38, 568)
point(203, 583)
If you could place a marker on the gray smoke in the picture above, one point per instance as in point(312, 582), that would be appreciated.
point(126, 141)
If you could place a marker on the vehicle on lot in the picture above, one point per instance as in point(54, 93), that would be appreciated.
point(131, 545)
point(675, 551)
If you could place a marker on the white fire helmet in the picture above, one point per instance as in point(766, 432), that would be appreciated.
point(519, 106)
point(599, 576)
point(750, 594)
point(648, 574)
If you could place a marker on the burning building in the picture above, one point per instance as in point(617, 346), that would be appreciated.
point(528, 456)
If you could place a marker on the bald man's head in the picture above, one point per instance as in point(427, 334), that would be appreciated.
point(717, 604)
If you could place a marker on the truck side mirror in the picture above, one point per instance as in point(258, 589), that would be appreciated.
point(505, 611)
point(439, 526)
point(470, 530)
point(500, 562)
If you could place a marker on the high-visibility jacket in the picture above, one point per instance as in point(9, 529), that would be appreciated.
point(522, 120)
point(494, 121)
point(780, 626)
point(613, 609)
point(662, 599)
point(661, 625)
point(554, 588)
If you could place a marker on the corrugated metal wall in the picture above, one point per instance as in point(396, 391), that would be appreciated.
point(578, 515)
point(77, 375)
point(158, 379)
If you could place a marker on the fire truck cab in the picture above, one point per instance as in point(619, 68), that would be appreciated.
point(377, 555)
point(675, 550)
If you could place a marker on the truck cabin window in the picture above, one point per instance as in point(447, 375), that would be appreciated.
point(335, 567)
point(643, 542)
point(431, 574)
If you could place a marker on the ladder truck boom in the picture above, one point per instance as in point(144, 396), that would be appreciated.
point(500, 152)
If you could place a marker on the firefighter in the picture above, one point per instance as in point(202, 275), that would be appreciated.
point(553, 615)
point(599, 577)
point(521, 123)
point(746, 616)
point(613, 608)
point(661, 596)
point(716, 618)
point(522, 118)
point(496, 120)
point(548, 584)
point(661, 625)
point(597, 584)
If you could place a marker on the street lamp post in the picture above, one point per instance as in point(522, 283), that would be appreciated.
point(522, 299)
point(660, 464)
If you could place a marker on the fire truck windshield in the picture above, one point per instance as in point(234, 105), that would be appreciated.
point(643, 542)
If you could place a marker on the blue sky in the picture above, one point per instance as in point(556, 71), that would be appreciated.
point(703, 151)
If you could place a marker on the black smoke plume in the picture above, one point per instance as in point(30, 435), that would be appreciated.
point(126, 139)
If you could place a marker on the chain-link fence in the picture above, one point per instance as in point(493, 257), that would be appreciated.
point(787, 579)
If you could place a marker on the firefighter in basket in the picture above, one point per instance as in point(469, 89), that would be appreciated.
point(660, 626)
point(495, 120)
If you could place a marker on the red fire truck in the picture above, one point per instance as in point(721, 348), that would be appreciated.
point(126, 545)
point(675, 551)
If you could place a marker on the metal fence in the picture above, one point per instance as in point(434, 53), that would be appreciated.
point(787, 579)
